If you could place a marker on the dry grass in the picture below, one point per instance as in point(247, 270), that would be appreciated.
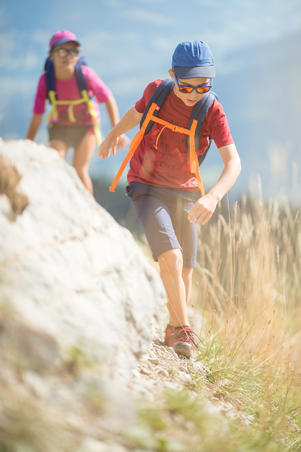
point(249, 275)
point(248, 287)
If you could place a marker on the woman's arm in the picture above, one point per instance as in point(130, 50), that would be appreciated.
point(203, 209)
point(113, 113)
point(112, 110)
point(130, 120)
point(34, 126)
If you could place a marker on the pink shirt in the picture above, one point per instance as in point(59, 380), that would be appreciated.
point(162, 158)
point(68, 90)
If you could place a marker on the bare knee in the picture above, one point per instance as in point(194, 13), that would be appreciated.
point(60, 147)
point(171, 259)
point(83, 174)
point(82, 171)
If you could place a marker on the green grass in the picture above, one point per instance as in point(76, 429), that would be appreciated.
point(265, 414)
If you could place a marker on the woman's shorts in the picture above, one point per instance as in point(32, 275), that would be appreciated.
point(70, 135)
point(164, 216)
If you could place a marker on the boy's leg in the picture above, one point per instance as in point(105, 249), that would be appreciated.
point(82, 156)
point(171, 268)
point(187, 278)
point(158, 227)
point(155, 215)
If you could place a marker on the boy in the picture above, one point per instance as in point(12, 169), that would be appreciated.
point(74, 125)
point(164, 188)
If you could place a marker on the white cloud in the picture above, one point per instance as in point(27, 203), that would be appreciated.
point(12, 58)
point(147, 16)
point(16, 85)
point(163, 43)
point(8, 50)
point(122, 53)
point(41, 37)
point(31, 61)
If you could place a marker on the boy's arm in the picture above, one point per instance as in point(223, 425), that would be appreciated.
point(203, 209)
point(34, 126)
point(130, 120)
point(112, 110)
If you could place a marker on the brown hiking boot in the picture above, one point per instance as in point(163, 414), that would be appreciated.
point(181, 338)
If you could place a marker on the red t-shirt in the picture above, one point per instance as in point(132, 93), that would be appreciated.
point(162, 158)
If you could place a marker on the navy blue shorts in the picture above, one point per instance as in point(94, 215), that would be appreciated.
point(163, 213)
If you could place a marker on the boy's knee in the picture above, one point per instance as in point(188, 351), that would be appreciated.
point(173, 257)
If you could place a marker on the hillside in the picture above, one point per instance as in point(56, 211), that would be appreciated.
point(83, 366)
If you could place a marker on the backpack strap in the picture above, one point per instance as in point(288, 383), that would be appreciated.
point(199, 113)
point(158, 98)
point(50, 76)
point(79, 76)
point(193, 132)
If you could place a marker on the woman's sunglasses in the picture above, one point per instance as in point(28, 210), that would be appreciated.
point(186, 89)
point(62, 52)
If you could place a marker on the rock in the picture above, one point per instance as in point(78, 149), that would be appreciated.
point(184, 377)
point(162, 372)
point(73, 323)
point(154, 361)
point(9, 181)
point(71, 272)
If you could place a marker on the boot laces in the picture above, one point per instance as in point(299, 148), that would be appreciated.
point(186, 334)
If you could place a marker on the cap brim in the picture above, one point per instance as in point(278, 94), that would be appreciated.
point(62, 41)
point(194, 72)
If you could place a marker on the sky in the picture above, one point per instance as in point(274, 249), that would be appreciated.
point(130, 42)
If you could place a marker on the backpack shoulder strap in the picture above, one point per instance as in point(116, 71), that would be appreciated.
point(79, 76)
point(199, 113)
point(50, 75)
point(158, 97)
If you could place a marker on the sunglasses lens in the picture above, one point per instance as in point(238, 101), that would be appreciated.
point(64, 52)
point(204, 89)
point(186, 89)
point(61, 52)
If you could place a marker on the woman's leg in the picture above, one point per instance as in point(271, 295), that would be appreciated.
point(82, 156)
point(59, 146)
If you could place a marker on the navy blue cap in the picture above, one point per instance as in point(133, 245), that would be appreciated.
point(192, 59)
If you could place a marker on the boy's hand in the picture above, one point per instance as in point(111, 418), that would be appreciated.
point(123, 142)
point(114, 143)
point(203, 209)
point(108, 143)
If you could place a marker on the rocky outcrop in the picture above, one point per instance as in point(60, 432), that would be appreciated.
point(77, 296)
point(9, 181)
